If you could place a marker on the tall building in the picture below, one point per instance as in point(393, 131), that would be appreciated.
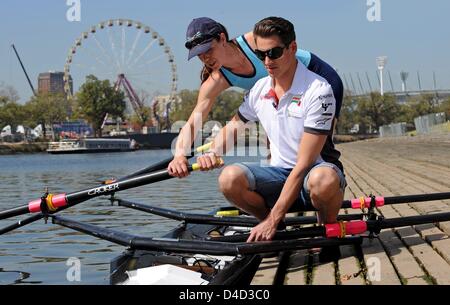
point(53, 82)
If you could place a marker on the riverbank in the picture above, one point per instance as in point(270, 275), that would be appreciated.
point(22, 148)
point(38, 147)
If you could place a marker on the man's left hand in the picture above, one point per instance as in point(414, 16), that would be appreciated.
point(264, 231)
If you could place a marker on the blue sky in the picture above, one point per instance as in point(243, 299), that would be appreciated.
point(415, 35)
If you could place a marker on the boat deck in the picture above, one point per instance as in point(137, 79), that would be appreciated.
point(418, 255)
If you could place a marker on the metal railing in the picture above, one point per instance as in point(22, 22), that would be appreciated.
point(393, 130)
point(425, 123)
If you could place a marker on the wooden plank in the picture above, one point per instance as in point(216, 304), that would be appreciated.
point(437, 268)
point(350, 271)
point(265, 275)
point(296, 273)
point(405, 210)
point(322, 274)
point(380, 270)
point(406, 265)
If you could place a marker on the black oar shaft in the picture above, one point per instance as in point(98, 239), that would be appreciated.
point(121, 185)
point(21, 223)
point(366, 202)
point(197, 246)
point(349, 228)
point(14, 212)
point(416, 198)
point(409, 221)
point(221, 220)
point(74, 198)
point(25, 209)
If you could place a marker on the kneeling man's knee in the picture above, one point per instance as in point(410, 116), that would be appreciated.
point(232, 179)
point(323, 182)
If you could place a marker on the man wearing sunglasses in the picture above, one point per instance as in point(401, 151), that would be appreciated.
point(296, 108)
point(230, 63)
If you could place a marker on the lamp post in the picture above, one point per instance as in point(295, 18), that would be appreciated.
point(381, 62)
point(403, 77)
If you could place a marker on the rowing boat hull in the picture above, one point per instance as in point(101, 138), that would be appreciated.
point(239, 271)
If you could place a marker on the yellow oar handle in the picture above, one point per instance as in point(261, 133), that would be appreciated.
point(204, 148)
point(196, 166)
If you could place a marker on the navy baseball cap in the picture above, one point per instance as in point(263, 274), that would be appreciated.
point(200, 34)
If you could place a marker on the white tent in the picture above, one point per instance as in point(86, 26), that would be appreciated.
point(6, 131)
point(20, 129)
point(36, 132)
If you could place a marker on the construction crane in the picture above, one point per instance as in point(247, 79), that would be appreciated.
point(29, 82)
point(24, 71)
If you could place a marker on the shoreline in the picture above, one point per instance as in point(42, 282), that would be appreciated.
point(22, 148)
point(39, 147)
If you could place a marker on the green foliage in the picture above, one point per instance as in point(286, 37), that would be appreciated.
point(223, 109)
point(46, 109)
point(144, 117)
point(370, 112)
point(376, 110)
point(348, 116)
point(96, 98)
point(226, 106)
point(418, 106)
point(11, 113)
point(180, 111)
point(445, 107)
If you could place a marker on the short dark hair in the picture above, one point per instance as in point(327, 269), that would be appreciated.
point(278, 26)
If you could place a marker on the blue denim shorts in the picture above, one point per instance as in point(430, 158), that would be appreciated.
point(268, 181)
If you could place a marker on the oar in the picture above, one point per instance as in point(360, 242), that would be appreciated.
point(163, 164)
point(246, 221)
point(378, 201)
point(163, 175)
point(342, 229)
point(199, 246)
point(53, 202)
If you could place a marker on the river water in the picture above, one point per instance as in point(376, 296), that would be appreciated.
point(38, 253)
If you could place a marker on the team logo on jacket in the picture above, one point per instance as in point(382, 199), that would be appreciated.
point(322, 122)
point(325, 105)
point(297, 99)
point(271, 95)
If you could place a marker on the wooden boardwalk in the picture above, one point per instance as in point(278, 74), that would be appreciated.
point(418, 255)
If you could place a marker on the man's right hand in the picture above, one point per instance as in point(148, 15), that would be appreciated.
point(209, 161)
point(178, 167)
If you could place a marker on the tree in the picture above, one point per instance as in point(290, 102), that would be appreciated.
point(3, 100)
point(11, 113)
point(223, 109)
point(377, 110)
point(47, 108)
point(143, 118)
point(96, 98)
point(421, 105)
point(445, 107)
point(226, 105)
point(180, 111)
point(348, 116)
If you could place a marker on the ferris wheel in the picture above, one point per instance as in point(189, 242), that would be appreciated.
point(128, 53)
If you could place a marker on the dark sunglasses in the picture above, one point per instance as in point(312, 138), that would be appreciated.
point(199, 38)
point(273, 53)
